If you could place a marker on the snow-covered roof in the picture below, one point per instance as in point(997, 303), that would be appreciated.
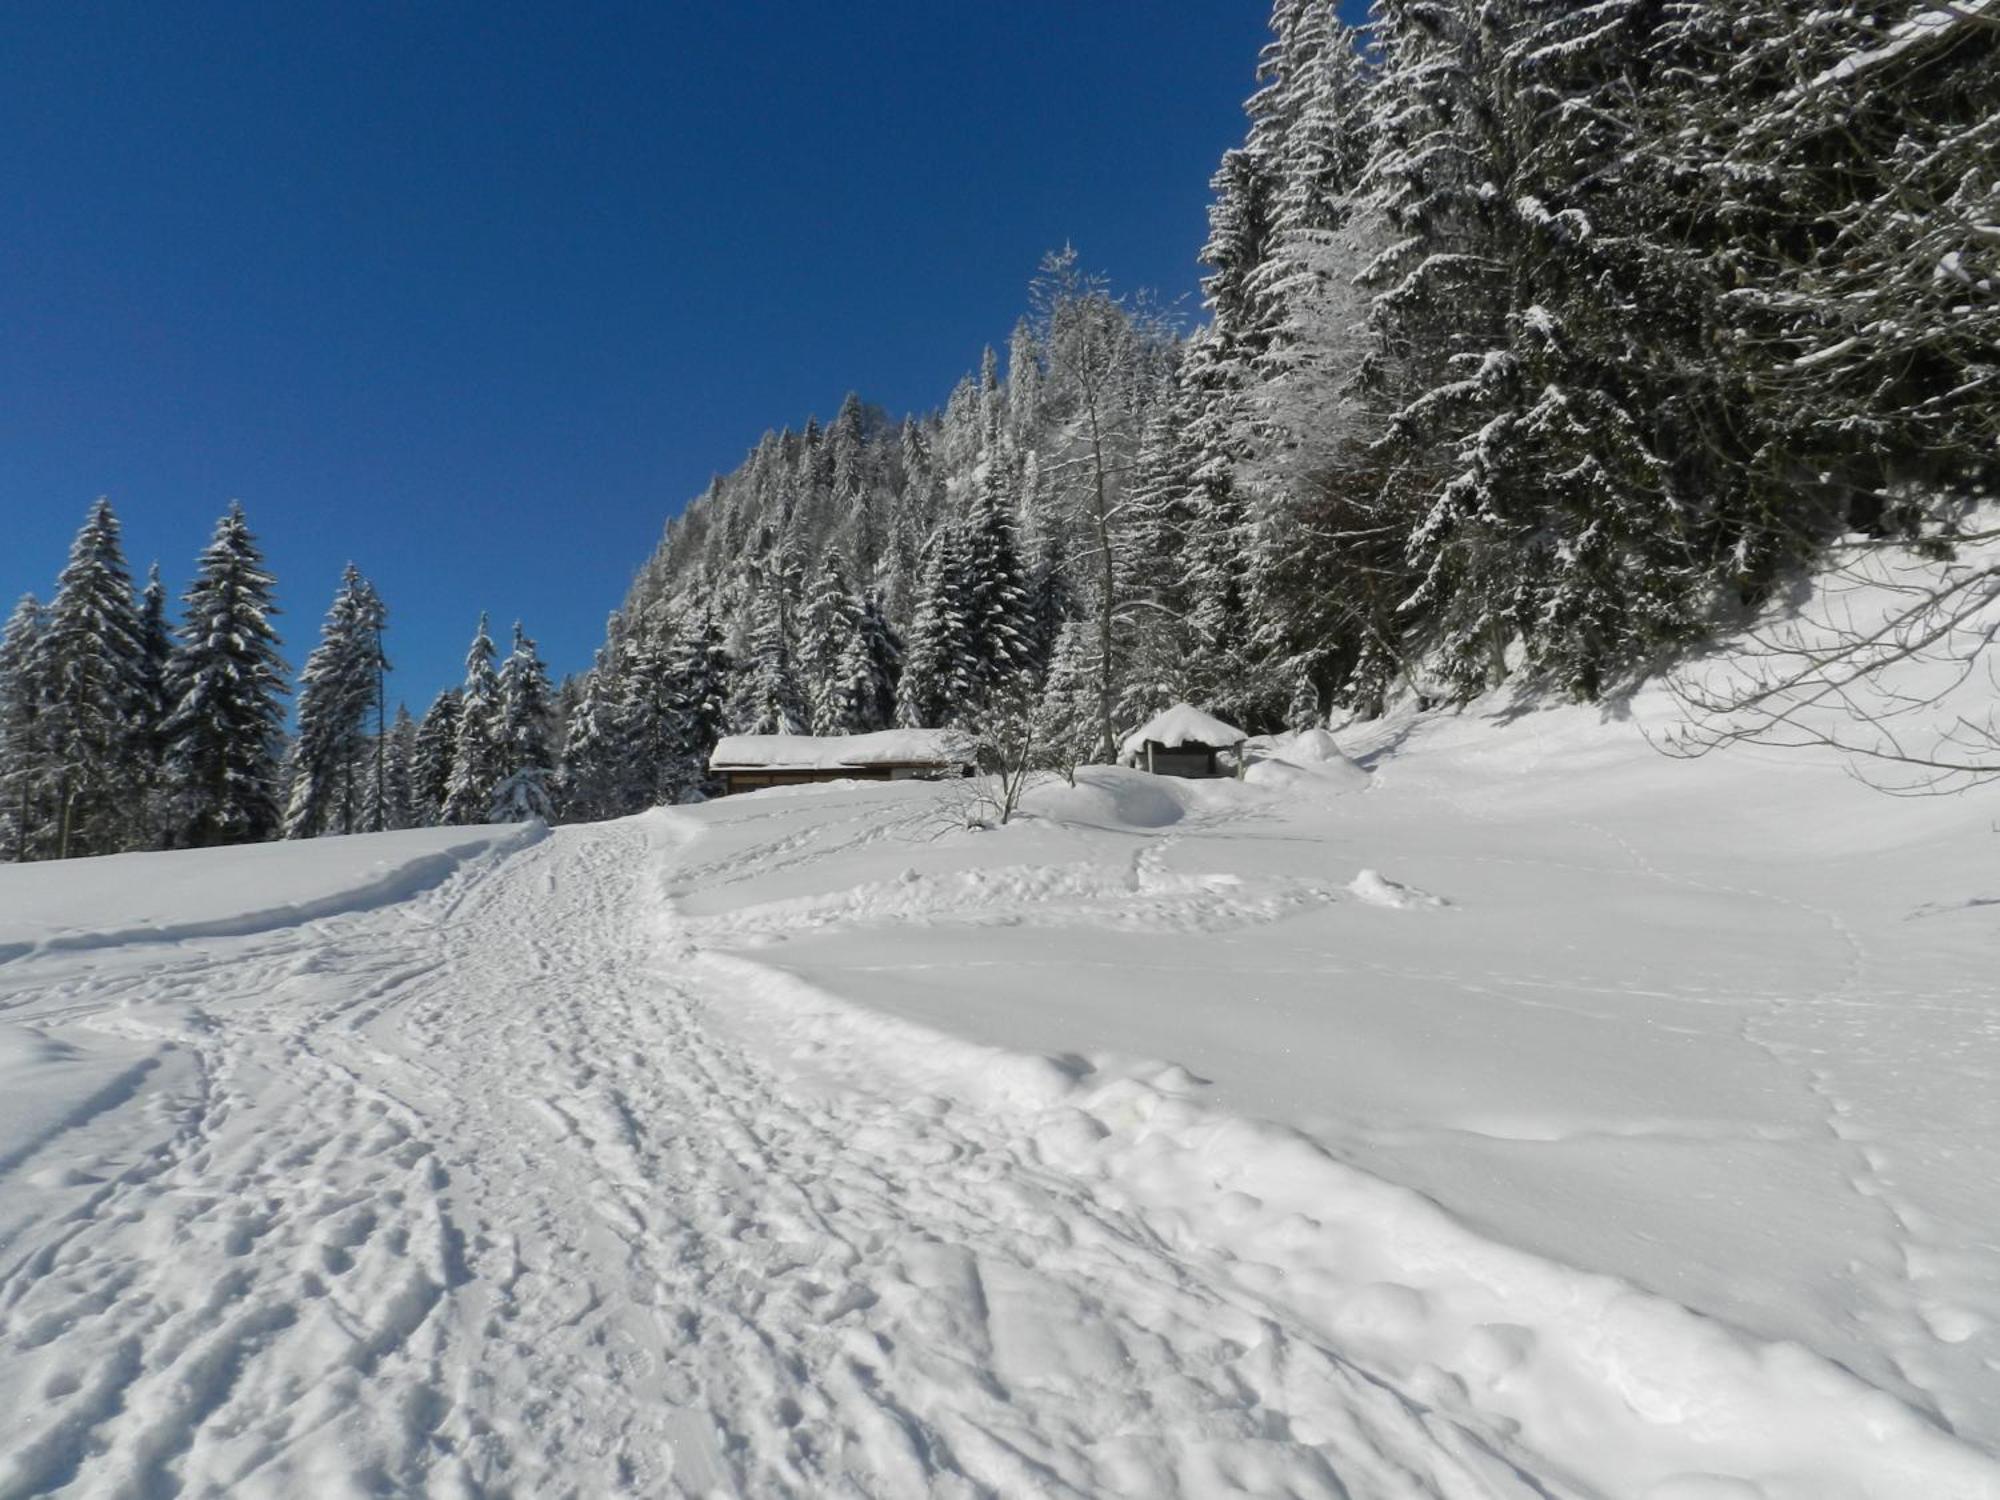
point(1183, 724)
point(833, 752)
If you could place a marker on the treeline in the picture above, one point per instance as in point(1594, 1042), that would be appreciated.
point(1541, 336)
point(119, 732)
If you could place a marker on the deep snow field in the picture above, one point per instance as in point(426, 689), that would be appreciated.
point(1530, 1116)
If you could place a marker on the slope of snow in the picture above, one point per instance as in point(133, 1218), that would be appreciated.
point(1550, 1120)
point(123, 898)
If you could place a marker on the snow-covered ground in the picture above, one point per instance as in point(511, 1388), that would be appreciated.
point(1533, 1116)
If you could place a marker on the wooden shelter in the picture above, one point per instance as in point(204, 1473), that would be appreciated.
point(750, 762)
point(1182, 741)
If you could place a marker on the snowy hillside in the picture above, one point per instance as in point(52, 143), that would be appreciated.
point(1533, 1116)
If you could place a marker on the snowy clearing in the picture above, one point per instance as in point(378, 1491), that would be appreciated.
point(1530, 1116)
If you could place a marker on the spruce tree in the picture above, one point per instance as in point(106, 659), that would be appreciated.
point(937, 683)
point(24, 779)
point(593, 761)
point(399, 758)
point(430, 764)
point(701, 677)
point(475, 758)
point(768, 700)
point(225, 678)
point(999, 627)
point(92, 732)
point(828, 625)
point(334, 764)
point(527, 759)
point(866, 674)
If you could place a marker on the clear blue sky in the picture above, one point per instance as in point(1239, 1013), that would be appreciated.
point(477, 295)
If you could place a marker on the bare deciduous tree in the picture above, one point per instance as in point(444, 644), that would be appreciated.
point(1892, 665)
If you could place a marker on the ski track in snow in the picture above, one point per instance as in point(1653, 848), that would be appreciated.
point(464, 1197)
point(492, 1193)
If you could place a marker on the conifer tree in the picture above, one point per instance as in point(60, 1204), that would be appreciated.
point(593, 762)
point(526, 757)
point(24, 779)
point(225, 679)
point(399, 757)
point(937, 679)
point(430, 763)
point(156, 646)
point(701, 676)
point(475, 759)
point(92, 734)
point(768, 700)
point(334, 762)
point(829, 623)
point(866, 674)
point(999, 629)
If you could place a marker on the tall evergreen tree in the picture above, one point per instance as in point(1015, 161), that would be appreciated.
point(594, 769)
point(335, 764)
point(92, 730)
point(999, 628)
point(475, 759)
point(829, 623)
point(24, 779)
point(866, 674)
point(399, 759)
point(937, 679)
point(701, 675)
point(430, 764)
point(225, 680)
point(768, 700)
point(527, 759)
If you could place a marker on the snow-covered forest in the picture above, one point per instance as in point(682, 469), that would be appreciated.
point(1540, 340)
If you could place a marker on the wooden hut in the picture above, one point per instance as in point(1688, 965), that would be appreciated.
point(1183, 741)
point(749, 762)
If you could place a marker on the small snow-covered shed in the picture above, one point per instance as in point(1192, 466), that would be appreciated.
point(1182, 741)
point(747, 762)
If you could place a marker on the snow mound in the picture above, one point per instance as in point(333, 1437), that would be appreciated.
point(832, 752)
point(1108, 797)
point(1309, 760)
point(1377, 890)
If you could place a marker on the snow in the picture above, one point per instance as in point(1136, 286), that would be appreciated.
point(1555, 1119)
point(836, 751)
point(1183, 724)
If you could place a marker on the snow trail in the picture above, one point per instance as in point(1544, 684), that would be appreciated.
point(468, 1196)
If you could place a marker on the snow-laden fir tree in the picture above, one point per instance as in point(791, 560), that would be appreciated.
point(225, 681)
point(475, 759)
point(527, 759)
point(92, 734)
point(335, 769)
point(768, 700)
point(23, 776)
point(594, 771)
point(1066, 717)
point(864, 698)
point(156, 646)
point(999, 626)
point(399, 758)
point(937, 679)
point(431, 761)
point(829, 622)
point(701, 675)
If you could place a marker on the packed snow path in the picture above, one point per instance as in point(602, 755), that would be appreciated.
point(469, 1196)
point(493, 1192)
